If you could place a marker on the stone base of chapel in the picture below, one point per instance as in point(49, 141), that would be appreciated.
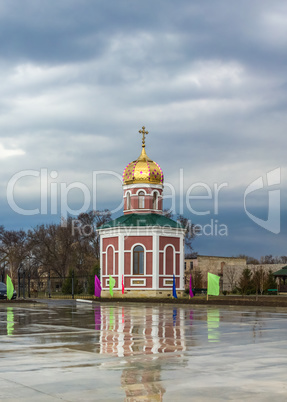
point(142, 293)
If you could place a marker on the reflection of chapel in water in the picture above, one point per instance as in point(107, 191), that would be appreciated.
point(149, 333)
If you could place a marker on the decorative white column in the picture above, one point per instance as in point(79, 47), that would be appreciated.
point(101, 260)
point(121, 258)
point(155, 261)
point(181, 268)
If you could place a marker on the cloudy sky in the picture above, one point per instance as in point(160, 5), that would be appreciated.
point(206, 78)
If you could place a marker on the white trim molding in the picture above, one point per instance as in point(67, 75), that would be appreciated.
point(156, 199)
point(138, 282)
point(164, 259)
point(107, 282)
point(155, 261)
point(121, 255)
point(139, 190)
point(166, 231)
point(181, 267)
point(142, 185)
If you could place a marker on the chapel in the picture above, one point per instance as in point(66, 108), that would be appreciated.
point(143, 250)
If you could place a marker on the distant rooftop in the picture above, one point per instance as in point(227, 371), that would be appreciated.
point(216, 256)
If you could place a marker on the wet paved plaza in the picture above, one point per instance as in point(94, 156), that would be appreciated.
point(90, 352)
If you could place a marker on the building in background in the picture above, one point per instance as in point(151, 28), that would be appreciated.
point(199, 267)
point(228, 268)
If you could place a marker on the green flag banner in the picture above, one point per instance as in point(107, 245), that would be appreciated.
point(212, 284)
point(112, 283)
point(10, 287)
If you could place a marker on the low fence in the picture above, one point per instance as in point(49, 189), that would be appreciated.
point(53, 286)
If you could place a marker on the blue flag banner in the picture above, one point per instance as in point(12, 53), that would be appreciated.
point(174, 288)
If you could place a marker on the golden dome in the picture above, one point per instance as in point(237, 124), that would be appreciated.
point(143, 169)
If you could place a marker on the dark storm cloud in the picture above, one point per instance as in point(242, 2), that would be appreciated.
point(69, 30)
point(208, 79)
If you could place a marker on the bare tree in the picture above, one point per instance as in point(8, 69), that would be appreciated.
point(256, 280)
point(249, 259)
point(197, 279)
point(259, 278)
point(263, 278)
point(231, 274)
point(267, 259)
point(90, 222)
point(52, 247)
point(190, 232)
point(72, 245)
point(13, 249)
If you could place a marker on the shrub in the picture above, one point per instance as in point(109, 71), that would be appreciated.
point(271, 282)
point(245, 282)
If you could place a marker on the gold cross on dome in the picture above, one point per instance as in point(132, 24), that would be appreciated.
point(144, 133)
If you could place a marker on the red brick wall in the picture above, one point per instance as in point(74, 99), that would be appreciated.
point(169, 253)
point(163, 241)
point(111, 240)
point(149, 263)
point(110, 261)
point(145, 240)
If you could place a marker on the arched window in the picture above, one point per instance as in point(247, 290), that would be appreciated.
point(154, 201)
point(141, 199)
point(110, 260)
point(169, 260)
point(138, 260)
point(128, 201)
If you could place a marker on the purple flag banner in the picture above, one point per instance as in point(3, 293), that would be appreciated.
point(190, 288)
point(98, 287)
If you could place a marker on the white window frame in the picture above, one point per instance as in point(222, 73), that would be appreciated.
point(141, 199)
point(132, 260)
point(174, 259)
point(114, 259)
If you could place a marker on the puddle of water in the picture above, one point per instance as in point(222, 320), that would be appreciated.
point(158, 352)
